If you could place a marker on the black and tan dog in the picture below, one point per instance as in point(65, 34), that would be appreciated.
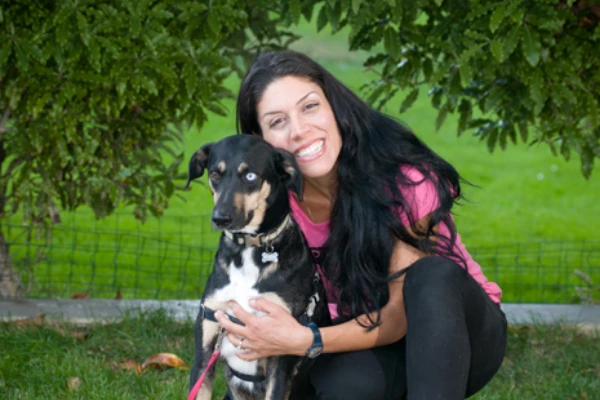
point(262, 253)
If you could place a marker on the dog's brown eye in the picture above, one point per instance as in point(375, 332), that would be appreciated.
point(215, 175)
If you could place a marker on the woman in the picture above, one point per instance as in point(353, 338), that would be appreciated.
point(412, 312)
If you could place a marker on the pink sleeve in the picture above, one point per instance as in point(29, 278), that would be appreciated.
point(422, 198)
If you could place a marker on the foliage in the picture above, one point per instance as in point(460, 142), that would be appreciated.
point(95, 96)
point(523, 68)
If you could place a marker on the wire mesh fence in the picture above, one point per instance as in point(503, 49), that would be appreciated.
point(171, 258)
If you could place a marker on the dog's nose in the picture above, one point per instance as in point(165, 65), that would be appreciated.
point(220, 218)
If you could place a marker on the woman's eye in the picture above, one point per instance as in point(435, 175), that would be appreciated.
point(215, 176)
point(251, 177)
point(310, 106)
point(276, 122)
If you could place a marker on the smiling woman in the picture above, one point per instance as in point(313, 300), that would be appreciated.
point(294, 114)
point(411, 310)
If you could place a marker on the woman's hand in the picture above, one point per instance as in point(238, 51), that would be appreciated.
point(277, 333)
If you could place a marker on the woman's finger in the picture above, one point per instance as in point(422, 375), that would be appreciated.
point(229, 325)
point(249, 355)
point(264, 305)
point(240, 313)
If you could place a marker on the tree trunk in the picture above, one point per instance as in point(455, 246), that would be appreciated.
point(11, 286)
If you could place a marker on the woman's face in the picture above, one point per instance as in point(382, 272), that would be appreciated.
point(295, 115)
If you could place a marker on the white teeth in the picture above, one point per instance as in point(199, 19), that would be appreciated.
point(310, 150)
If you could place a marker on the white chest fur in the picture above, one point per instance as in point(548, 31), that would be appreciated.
point(241, 288)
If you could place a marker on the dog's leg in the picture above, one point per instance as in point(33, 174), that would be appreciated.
point(280, 374)
point(206, 337)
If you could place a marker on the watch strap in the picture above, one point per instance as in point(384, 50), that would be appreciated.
point(317, 345)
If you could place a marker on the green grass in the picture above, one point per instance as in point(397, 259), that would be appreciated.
point(524, 196)
point(543, 362)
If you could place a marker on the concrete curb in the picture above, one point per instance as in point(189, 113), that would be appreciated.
point(89, 311)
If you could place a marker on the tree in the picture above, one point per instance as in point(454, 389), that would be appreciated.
point(521, 68)
point(95, 97)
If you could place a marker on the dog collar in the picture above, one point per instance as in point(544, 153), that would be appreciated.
point(209, 314)
point(257, 240)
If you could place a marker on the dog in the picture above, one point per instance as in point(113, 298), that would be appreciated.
point(261, 253)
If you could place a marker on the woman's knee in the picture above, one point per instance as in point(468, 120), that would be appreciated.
point(356, 375)
point(433, 275)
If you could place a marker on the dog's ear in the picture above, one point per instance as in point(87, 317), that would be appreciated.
point(288, 169)
point(198, 163)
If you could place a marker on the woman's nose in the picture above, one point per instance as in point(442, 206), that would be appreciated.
point(299, 127)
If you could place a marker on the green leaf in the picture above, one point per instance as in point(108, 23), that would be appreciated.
point(531, 45)
point(496, 49)
point(356, 6)
point(409, 100)
point(587, 161)
point(5, 53)
point(322, 18)
point(466, 111)
point(391, 43)
point(83, 25)
point(565, 150)
point(189, 73)
point(22, 59)
point(498, 16)
point(441, 117)
point(94, 54)
point(523, 130)
point(511, 40)
point(492, 138)
point(294, 10)
point(537, 92)
point(466, 74)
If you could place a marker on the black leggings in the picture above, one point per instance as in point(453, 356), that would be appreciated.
point(454, 345)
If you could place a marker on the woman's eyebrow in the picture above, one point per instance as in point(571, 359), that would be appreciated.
point(298, 102)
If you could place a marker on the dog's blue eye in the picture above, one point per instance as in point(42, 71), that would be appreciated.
point(251, 176)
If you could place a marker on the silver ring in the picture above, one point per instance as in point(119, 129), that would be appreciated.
point(239, 346)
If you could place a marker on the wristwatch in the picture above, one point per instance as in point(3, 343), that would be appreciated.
point(316, 348)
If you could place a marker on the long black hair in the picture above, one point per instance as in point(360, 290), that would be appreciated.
point(364, 219)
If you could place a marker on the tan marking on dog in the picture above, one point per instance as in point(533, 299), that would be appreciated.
point(221, 166)
point(205, 392)
point(257, 202)
point(238, 202)
point(271, 383)
point(223, 266)
point(210, 329)
point(214, 192)
point(266, 272)
point(242, 167)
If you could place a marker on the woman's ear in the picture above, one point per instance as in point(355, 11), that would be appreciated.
point(288, 169)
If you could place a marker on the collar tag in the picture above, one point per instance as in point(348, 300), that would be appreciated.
point(270, 256)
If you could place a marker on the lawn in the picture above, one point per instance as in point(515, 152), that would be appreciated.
point(528, 219)
point(49, 361)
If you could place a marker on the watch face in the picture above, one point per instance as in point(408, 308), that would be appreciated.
point(314, 352)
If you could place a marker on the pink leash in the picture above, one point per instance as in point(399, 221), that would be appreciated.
point(196, 388)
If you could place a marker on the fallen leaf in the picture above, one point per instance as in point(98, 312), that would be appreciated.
point(133, 365)
point(78, 336)
point(80, 296)
point(73, 383)
point(164, 360)
point(38, 320)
